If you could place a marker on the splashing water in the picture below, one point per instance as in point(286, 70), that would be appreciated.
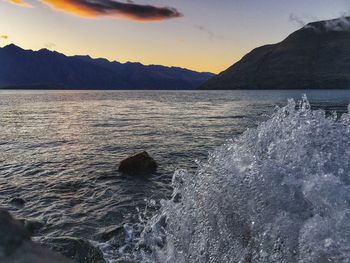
point(277, 193)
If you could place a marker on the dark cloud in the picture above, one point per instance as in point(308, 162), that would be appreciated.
point(4, 36)
point(111, 8)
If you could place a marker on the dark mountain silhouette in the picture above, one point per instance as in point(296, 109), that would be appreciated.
point(45, 69)
point(315, 57)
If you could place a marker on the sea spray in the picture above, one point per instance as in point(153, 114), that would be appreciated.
point(277, 193)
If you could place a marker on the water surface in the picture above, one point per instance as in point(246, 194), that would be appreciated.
point(60, 150)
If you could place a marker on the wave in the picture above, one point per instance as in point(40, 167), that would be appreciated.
point(277, 193)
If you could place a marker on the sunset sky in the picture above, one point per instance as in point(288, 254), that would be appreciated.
point(203, 35)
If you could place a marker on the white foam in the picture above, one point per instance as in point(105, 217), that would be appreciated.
point(278, 193)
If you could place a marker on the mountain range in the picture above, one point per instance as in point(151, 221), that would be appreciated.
point(45, 69)
point(315, 57)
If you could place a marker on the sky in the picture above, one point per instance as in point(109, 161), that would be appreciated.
point(203, 35)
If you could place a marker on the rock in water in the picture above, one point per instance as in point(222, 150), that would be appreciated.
point(140, 163)
point(115, 232)
point(32, 225)
point(17, 247)
point(79, 250)
point(17, 202)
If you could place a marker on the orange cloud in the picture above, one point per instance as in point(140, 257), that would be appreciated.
point(19, 2)
point(110, 8)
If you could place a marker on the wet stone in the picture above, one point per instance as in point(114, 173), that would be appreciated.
point(115, 232)
point(138, 164)
point(17, 202)
point(79, 250)
point(33, 225)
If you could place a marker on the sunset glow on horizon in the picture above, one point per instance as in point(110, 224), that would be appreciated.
point(201, 35)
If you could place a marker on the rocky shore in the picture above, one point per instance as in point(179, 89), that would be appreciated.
point(16, 245)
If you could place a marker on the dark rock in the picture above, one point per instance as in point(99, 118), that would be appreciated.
point(140, 163)
point(13, 233)
point(79, 250)
point(177, 198)
point(126, 261)
point(17, 247)
point(17, 202)
point(315, 57)
point(115, 232)
point(30, 252)
point(32, 225)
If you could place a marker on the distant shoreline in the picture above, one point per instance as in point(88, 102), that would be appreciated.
point(42, 87)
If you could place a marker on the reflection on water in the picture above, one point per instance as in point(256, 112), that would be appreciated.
point(59, 150)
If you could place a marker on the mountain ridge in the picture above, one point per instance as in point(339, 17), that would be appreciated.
point(46, 69)
point(316, 56)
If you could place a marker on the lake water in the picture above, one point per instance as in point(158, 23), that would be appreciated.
point(60, 150)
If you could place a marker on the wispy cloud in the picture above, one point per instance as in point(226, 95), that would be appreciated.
point(209, 33)
point(340, 24)
point(50, 45)
point(297, 19)
point(110, 8)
